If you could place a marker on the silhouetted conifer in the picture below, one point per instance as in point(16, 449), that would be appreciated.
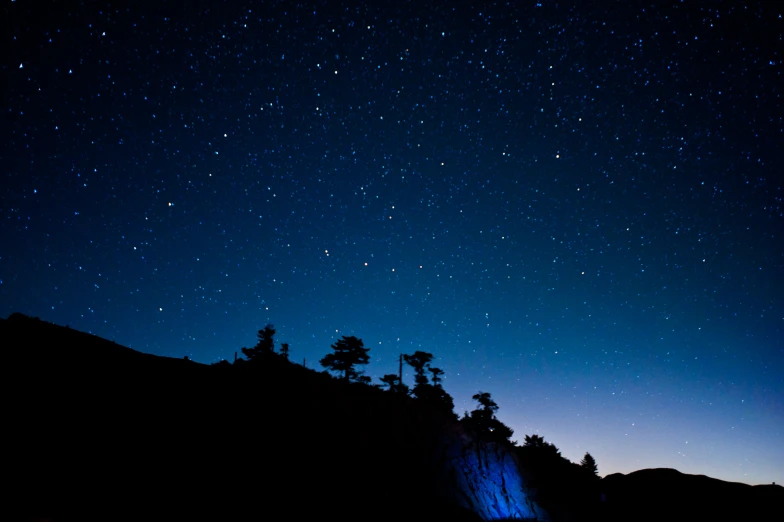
point(419, 361)
point(284, 350)
point(544, 448)
point(483, 420)
point(486, 402)
point(433, 394)
point(265, 344)
point(564, 489)
point(589, 464)
point(437, 373)
point(436, 397)
point(348, 352)
point(392, 381)
point(500, 431)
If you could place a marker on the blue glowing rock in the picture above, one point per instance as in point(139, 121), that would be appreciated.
point(485, 478)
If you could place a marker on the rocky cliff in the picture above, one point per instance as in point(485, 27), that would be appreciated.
point(486, 478)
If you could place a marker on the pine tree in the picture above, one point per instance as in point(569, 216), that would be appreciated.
point(423, 390)
point(284, 350)
point(483, 420)
point(485, 400)
point(589, 463)
point(392, 381)
point(436, 379)
point(419, 362)
point(265, 344)
point(547, 449)
point(348, 352)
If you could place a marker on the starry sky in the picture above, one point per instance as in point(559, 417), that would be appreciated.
point(576, 209)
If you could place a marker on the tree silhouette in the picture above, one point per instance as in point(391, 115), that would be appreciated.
point(544, 448)
point(349, 352)
point(486, 402)
point(564, 489)
point(437, 373)
point(392, 381)
point(419, 362)
point(265, 344)
point(364, 379)
point(436, 396)
point(284, 350)
point(483, 420)
point(589, 463)
point(423, 390)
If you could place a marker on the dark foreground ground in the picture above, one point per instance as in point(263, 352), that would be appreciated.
point(96, 431)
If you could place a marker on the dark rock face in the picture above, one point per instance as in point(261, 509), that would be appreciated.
point(101, 431)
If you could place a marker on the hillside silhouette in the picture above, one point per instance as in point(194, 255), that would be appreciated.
point(101, 431)
point(667, 494)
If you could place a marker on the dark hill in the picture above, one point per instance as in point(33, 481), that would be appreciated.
point(99, 431)
point(96, 431)
point(667, 494)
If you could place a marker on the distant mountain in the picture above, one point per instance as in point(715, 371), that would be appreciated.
point(667, 494)
point(99, 431)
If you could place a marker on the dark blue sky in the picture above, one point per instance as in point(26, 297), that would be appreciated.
point(577, 209)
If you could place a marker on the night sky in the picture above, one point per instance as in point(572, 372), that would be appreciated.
point(578, 210)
